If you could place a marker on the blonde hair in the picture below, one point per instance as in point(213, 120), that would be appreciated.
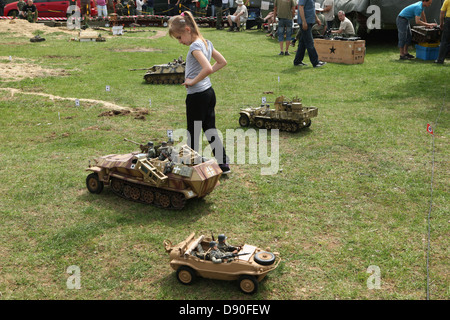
point(178, 24)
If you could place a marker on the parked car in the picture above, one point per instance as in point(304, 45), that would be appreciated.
point(47, 8)
point(249, 268)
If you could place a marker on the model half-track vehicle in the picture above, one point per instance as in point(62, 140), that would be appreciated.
point(190, 258)
point(171, 73)
point(287, 116)
point(164, 176)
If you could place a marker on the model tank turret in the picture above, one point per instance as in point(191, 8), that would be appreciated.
point(171, 73)
point(164, 176)
point(287, 115)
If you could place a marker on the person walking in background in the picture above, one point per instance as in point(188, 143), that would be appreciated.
point(307, 19)
point(284, 10)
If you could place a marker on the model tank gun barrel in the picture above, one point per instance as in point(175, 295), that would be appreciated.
point(138, 69)
point(137, 143)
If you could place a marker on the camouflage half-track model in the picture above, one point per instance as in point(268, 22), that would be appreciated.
point(164, 176)
point(171, 73)
point(190, 258)
point(288, 115)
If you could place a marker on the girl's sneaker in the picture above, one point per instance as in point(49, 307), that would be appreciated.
point(225, 168)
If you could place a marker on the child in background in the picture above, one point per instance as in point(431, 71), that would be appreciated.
point(201, 98)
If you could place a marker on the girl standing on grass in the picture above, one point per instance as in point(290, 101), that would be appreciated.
point(201, 98)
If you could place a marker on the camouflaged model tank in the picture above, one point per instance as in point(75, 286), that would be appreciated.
point(164, 176)
point(171, 73)
point(288, 115)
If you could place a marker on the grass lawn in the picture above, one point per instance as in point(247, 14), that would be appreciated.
point(353, 190)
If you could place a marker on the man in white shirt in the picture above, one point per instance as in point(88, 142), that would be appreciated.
point(238, 17)
point(346, 27)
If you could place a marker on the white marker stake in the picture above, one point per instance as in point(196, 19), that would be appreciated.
point(77, 102)
point(108, 88)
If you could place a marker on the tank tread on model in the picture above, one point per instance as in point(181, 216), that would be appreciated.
point(288, 116)
point(165, 178)
point(37, 38)
point(171, 73)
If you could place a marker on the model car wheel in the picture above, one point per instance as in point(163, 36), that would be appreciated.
point(163, 200)
point(127, 191)
point(248, 284)
point(259, 123)
point(147, 196)
point(307, 123)
point(244, 121)
point(178, 201)
point(116, 185)
point(93, 184)
point(264, 258)
point(135, 193)
point(185, 275)
point(13, 13)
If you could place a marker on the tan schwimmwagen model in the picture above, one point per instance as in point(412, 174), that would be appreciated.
point(287, 116)
point(171, 73)
point(250, 266)
point(164, 176)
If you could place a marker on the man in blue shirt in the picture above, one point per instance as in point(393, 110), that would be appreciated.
point(307, 18)
point(413, 11)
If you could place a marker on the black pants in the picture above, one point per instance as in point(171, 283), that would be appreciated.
point(445, 41)
point(200, 107)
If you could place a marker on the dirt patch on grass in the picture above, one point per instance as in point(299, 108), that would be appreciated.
point(137, 50)
point(22, 28)
point(108, 105)
point(138, 113)
point(17, 69)
point(62, 57)
point(159, 34)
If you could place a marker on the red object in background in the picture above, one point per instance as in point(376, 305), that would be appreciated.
point(429, 129)
point(48, 8)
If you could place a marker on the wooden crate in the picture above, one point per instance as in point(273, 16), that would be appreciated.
point(340, 51)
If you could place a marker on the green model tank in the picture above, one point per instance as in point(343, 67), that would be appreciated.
point(165, 176)
point(171, 73)
point(287, 116)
